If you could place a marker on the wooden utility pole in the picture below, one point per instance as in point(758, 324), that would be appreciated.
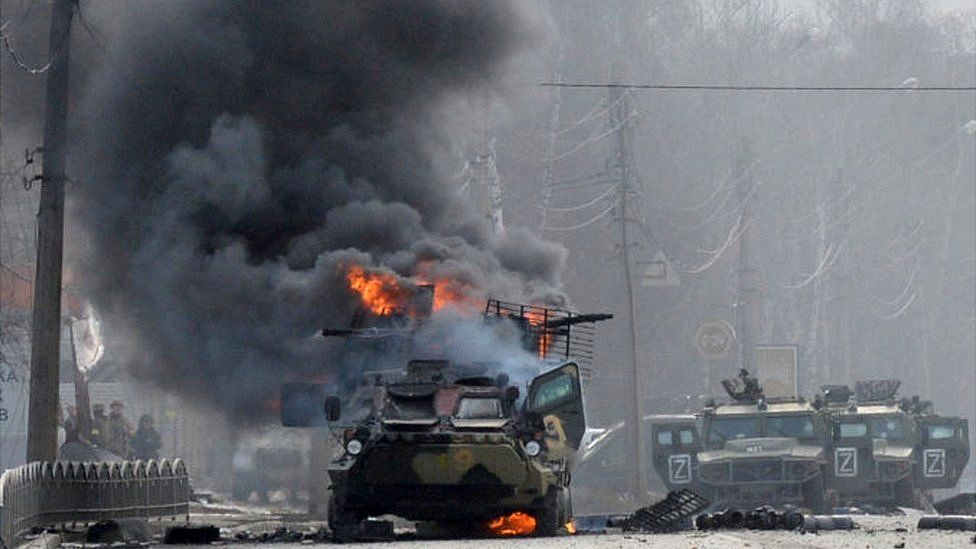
point(622, 164)
point(748, 307)
point(842, 311)
point(42, 443)
point(83, 418)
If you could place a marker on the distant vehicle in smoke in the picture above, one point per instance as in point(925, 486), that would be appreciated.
point(453, 441)
point(270, 463)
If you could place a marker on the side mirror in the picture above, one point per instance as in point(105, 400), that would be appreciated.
point(332, 407)
point(835, 431)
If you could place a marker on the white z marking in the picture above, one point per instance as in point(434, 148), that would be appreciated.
point(935, 463)
point(845, 462)
point(679, 468)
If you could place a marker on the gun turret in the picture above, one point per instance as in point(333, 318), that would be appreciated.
point(578, 319)
point(744, 389)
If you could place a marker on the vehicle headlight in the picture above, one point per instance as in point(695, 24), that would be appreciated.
point(532, 448)
point(354, 446)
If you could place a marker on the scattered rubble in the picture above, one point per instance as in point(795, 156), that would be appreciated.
point(191, 535)
point(127, 530)
point(767, 518)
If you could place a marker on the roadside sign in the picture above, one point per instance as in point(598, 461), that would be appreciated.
point(658, 271)
point(714, 339)
point(776, 369)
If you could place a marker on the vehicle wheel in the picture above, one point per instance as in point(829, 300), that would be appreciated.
point(567, 506)
point(548, 522)
point(905, 494)
point(343, 522)
point(813, 495)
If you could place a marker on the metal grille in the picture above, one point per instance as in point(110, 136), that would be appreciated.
point(51, 493)
point(757, 470)
point(551, 333)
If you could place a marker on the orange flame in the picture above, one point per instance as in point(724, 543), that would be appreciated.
point(570, 528)
point(384, 293)
point(536, 318)
point(448, 292)
point(514, 524)
point(380, 292)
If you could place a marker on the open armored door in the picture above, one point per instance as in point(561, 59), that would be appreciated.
point(675, 445)
point(944, 451)
point(556, 397)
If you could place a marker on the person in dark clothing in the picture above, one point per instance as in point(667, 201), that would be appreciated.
point(146, 442)
point(100, 432)
point(70, 424)
point(120, 430)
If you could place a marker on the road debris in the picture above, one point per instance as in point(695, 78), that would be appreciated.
point(672, 513)
point(191, 535)
point(948, 522)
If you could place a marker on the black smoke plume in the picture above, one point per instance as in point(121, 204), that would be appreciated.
point(239, 156)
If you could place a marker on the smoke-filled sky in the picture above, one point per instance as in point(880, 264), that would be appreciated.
point(239, 157)
point(228, 157)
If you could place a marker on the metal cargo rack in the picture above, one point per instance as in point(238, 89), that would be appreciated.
point(566, 334)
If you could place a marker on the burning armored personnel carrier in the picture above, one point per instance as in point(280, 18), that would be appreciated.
point(455, 442)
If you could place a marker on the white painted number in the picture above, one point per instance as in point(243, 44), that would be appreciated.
point(679, 468)
point(935, 463)
point(845, 462)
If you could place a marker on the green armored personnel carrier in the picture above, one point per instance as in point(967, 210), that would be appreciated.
point(890, 452)
point(461, 450)
point(459, 443)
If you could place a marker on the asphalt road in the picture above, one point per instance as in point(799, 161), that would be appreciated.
point(872, 532)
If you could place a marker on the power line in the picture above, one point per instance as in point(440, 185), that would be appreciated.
point(764, 88)
point(27, 68)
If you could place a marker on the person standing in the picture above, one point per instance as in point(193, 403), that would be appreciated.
point(100, 433)
point(120, 430)
point(70, 424)
point(146, 442)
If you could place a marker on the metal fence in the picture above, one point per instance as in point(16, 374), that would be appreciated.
point(54, 493)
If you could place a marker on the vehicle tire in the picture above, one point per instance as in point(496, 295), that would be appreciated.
point(341, 521)
point(813, 495)
point(567, 506)
point(905, 493)
point(548, 520)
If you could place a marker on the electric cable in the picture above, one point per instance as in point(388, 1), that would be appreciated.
point(762, 88)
